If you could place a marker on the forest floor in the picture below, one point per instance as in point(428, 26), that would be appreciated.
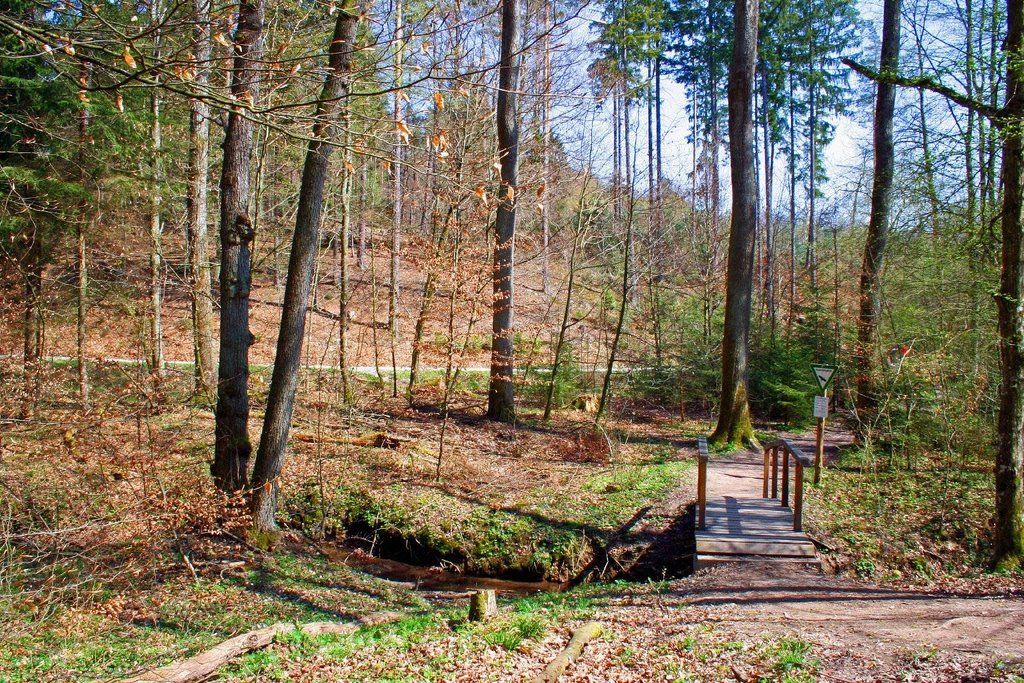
point(116, 556)
point(193, 584)
point(753, 623)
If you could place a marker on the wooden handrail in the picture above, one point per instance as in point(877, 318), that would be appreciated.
point(702, 481)
point(771, 466)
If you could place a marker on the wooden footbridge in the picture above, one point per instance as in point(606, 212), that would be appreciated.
point(741, 522)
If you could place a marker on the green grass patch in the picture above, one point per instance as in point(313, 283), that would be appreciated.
point(892, 523)
point(177, 619)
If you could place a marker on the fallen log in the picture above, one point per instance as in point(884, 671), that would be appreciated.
point(583, 635)
point(204, 664)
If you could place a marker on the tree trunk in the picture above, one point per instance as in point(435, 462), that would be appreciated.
point(198, 160)
point(32, 330)
point(734, 412)
point(82, 289)
point(396, 227)
point(342, 246)
point(156, 331)
point(769, 227)
point(361, 245)
point(305, 243)
point(812, 190)
point(232, 451)
point(969, 82)
point(500, 396)
point(630, 159)
point(792, 208)
point(1008, 548)
point(881, 202)
point(546, 143)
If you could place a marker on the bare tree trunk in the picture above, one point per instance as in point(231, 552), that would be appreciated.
point(792, 208)
point(658, 138)
point(545, 216)
point(197, 202)
point(926, 151)
point(616, 157)
point(361, 246)
point(1008, 544)
point(32, 320)
point(82, 266)
point(396, 228)
point(651, 180)
point(305, 243)
point(342, 242)
point(769, 227)
point(233, 448)
point(881, 203)
point(734, 412)
point(969, 129)
point(812, 191)
point(83, 309)
point(156, 331)
point(500, 396)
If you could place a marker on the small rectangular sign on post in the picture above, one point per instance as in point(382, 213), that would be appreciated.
point(823, 374)
point(821, 407)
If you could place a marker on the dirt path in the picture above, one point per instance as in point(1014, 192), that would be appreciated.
point(860, 618)
point(731, 624)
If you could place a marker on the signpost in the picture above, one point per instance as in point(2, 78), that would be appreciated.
point(823, 374)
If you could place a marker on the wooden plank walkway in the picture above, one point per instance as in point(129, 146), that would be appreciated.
point(742, 526)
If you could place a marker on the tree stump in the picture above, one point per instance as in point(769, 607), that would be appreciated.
point(483, 605)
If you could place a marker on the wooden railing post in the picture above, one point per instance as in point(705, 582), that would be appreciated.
point(775, 472)
point(764, 482)
point(702, 481)
point(785, 476)
point(798, 498)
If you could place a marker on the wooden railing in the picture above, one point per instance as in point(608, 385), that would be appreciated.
point(702, 481)
point(771, 470)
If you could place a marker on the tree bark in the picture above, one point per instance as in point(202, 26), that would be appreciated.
point(233, 448)
point(396, 227)
point(557, 666)
point(769, 227)
point(1008, 548)
point(305, 243)
point(545, 216)
point(500, 396)
point(881, 202)
point(156, 330)
point(342, 245)
point(734, 412)
point(196, 207)
point(32, 330)
point(88, 218)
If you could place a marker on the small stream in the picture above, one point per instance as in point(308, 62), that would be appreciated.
point(432, 579)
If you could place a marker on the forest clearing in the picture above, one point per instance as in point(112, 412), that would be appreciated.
point(628, 340)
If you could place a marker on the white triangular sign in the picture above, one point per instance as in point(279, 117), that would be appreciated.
point(823, 373)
